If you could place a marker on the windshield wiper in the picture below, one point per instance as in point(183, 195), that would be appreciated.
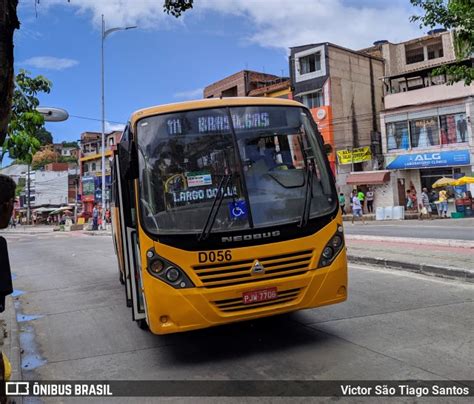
point(308, 194)
point(211, 217)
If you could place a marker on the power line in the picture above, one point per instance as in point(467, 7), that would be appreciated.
point(94, 119)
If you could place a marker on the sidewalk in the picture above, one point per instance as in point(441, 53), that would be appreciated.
point(446, 258)
point(44, 229)
point(9, 342)
point(28, 229)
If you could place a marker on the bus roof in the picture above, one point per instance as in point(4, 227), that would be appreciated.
point(210, 103)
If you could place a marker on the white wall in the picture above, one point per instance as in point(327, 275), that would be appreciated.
point(51, 188)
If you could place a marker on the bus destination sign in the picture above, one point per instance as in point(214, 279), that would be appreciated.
point(219, 123)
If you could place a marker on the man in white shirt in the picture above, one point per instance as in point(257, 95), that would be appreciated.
point(356, 207)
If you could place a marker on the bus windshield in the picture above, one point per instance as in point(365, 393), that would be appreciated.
point(248, 165)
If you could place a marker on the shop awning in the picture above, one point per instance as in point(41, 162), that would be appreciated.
point(368, 178)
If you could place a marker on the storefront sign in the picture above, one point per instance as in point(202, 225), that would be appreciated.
point(428, 160)
point(354, 156)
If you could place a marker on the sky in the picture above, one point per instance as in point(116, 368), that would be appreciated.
point(168, 60)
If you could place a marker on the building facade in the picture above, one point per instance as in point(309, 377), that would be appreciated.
point(426, 125)
point(341, 88)
point(90, 162)
point(242, 84)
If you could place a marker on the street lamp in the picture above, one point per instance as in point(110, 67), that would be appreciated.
point(104, 35)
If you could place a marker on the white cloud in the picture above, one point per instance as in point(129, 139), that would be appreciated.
point(276, 23)
point(50, 62)
point(109, 127)
point(189, 95)
point(148, 14)
point(287, 23)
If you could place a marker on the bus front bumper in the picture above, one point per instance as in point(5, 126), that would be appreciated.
point(170, 310)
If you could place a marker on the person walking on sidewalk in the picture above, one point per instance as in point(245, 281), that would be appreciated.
point(361, 197)
point(342, 203)
point(369, 197)
point(425, 207)
point(443, 203)
point(7, 200)
point(95, 218)
point(356, 207)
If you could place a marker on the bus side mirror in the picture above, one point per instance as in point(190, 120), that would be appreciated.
point(327, 148)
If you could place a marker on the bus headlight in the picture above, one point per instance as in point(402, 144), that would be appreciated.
point(156, 266)
point(172, 274)
point(336, 241)
point(328, 252)
point(166, 271)
point(332, 248)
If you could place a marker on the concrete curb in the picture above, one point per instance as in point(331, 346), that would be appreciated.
point(412, 240)
point(465, 275)
point(97, 233)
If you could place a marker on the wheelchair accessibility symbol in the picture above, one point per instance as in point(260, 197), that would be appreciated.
point(238, 210)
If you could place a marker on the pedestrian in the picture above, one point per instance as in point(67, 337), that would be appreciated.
point(7, 200)
point(12, 222)
point(409, 200)
point(357, 207)
point(443, 203)
point(425, 206)
point(369, 197)
point(95, 218)
point(361, 197)
point(342, 203)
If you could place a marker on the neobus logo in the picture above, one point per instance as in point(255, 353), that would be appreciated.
point(248, 237)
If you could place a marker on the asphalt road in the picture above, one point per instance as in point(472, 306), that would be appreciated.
point(454, 229)
point(75, 325)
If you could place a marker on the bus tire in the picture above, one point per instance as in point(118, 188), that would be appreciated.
point(121, 277)
point(142, 324)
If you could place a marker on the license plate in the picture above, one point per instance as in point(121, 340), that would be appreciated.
point(261, 295)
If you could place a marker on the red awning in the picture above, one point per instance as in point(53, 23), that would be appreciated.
point(368, 178)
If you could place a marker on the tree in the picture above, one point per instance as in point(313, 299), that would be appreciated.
point(44, 136)
point(70, 144)
point(43, 157)
point(9, 23)
point(25, 121)
point(458, 16)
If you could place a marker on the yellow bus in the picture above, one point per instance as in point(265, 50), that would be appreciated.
point(225, 210)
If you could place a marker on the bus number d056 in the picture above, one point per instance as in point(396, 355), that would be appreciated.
point(215, 256)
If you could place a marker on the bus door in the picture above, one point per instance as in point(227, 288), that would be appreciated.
point(128, 229)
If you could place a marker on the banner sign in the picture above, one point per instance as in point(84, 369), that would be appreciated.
point(358, 155)
point(429, 160)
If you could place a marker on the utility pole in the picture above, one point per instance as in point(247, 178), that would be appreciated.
point(28, 208)
point(104, 34)
point(76, 183)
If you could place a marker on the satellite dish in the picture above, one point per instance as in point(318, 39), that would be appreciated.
point(52, 114)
